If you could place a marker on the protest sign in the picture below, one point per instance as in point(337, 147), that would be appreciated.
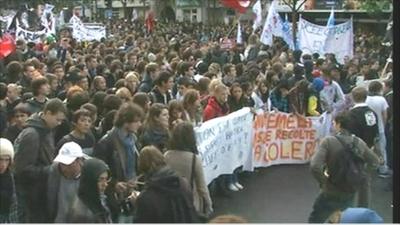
point(281, 138)
point(225, 143)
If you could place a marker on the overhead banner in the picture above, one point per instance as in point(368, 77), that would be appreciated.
point(340, 41)
point(86, 32)
point(225, 143)
point(336, 39)
point(281, 138)
point(30, 36)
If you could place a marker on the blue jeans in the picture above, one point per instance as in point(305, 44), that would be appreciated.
point(327, 203)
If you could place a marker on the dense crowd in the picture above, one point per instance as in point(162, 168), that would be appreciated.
point(102, 131)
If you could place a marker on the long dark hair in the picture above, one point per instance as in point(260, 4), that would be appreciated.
point(183, 138)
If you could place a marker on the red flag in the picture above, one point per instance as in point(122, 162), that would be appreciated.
point(239, 5)
point(150, 21)
point(7, 45)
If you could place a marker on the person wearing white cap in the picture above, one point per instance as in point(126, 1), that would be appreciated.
point(8, 197)
point(63, 182)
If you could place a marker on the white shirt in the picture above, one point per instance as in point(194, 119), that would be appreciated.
point(259, 104)
point(379, 105)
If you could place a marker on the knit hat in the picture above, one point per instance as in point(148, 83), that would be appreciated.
point(360, 215)
point(6, 148)
point(318, 84)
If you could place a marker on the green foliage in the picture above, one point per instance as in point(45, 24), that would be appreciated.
point(373, 6)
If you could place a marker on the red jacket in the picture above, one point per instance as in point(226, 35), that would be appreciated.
point(214, 109)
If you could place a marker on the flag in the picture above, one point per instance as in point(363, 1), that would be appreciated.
point(388, 39)
point(134, 15)
point(258, 11)
point(331, 19)
point(239, 5)
point(273, 25)
point(7, 45)
point(239, 34)
point(150, 21)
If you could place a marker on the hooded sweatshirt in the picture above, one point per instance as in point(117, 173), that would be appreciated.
point(90, 206)
point(34, 149)
point(166, 198)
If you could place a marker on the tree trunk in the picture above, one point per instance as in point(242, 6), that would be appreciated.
point(294, 27)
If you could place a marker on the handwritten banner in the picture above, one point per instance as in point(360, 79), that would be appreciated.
point(30, 36)
point(336, 39)
point(281, 138)
point(225, 143)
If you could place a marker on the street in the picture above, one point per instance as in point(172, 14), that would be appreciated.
point(285, 194)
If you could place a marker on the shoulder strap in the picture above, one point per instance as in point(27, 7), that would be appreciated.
point(192, 173)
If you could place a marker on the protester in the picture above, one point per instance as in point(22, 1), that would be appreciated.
point(156, 127)
point(184, 159)
point(337, 191)
point(378, 104)
point(90, 205)
point(9, 211)
point(63, 181)
point(166, 197)
point(34, 154)
point(118, 149)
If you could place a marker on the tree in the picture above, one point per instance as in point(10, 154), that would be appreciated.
point(293, 7)
point(375, 8)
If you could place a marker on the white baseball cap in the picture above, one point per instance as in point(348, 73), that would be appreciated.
point(69, 152)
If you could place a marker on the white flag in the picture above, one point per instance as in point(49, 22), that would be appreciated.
point(273, 25)
point(258, 11)
point(239, 34)
point(134, 15)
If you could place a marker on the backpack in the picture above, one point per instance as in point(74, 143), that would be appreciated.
point(347, 172)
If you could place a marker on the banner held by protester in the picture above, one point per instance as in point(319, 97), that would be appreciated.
point(225, 143)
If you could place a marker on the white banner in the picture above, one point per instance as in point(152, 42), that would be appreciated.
point(281, 138)
point(82, 32)
point(336, 39)
point(225, 143)
point(29, 36)
point(312, 37)
point(340, 41)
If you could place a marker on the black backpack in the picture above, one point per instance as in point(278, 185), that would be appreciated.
point(348, 172)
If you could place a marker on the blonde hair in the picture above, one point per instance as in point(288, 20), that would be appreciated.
point(213, 84)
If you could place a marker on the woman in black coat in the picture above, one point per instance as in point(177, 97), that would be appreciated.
point(90, 206)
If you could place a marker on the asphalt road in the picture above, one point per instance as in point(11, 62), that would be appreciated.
point(285, 194)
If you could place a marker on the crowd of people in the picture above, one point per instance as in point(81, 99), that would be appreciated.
point(103, 131)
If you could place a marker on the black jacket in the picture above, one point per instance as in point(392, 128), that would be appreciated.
point(166, 198)
point(146, 85)
point(157, 97)
point(34, 155)
point(364, 124)
point(87, 206)
point(111, 150)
